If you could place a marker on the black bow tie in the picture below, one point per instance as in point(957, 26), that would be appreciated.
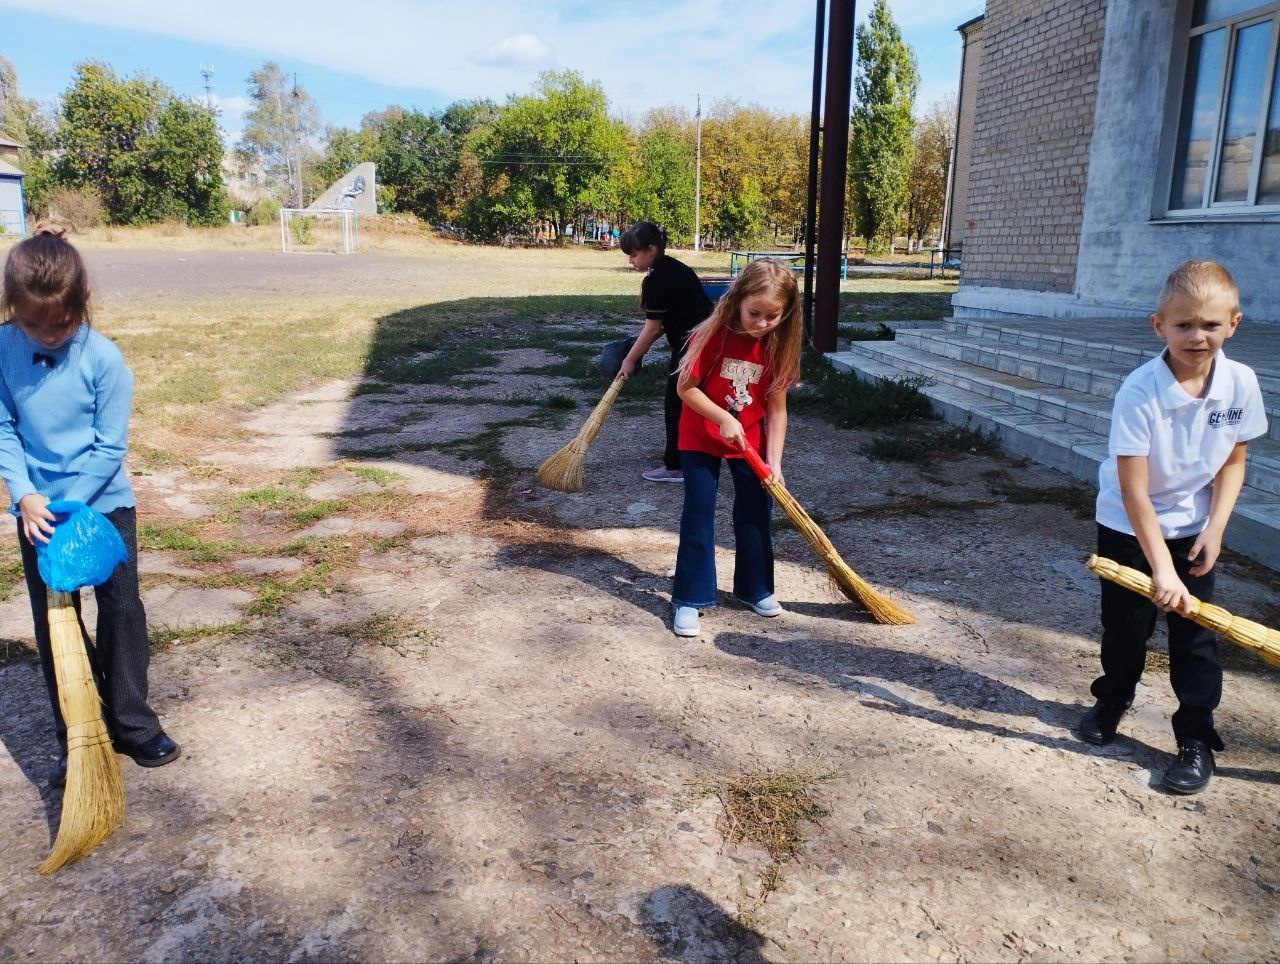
point(40, 358)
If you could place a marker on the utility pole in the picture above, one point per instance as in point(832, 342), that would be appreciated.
point(815, 139)
point(835, 161)
point(297, 144)
point(207, 73)
point(697, 182)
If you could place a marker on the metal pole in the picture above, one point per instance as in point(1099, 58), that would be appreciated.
point(835, 162)
point(811, 202)
point(945, 232)
point(697, 184)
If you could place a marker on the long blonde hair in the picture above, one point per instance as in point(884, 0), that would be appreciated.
point(771, 279)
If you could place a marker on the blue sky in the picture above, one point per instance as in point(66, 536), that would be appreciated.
point(358, 57)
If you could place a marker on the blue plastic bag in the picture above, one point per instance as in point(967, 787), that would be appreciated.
point(84, 550)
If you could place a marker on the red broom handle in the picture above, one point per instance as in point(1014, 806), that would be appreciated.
point(757, 464)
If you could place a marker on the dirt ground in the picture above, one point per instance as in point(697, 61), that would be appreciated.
point(479, 740)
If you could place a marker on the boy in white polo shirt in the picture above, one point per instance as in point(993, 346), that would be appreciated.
point(1176, 465)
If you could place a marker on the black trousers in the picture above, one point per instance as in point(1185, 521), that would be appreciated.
point(1128, 620)
point(671, 408)
point(122, 653)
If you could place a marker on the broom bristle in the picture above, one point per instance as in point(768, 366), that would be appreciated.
point(563, 471)
point(93, 799)
point(882, 608)
point(854, 588)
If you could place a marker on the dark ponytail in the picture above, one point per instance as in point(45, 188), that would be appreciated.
point(641, 235)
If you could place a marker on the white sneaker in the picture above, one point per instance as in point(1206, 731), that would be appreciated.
point(768, 606)
point(686, 621)
point(664, 475)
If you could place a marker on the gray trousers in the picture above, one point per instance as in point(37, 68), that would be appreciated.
point(122, 653)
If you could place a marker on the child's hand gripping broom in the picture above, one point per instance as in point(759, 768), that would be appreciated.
point(83, 551)
point(882, 610)
point(1243, 632)
point(563, 471)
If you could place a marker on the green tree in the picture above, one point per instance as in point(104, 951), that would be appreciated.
point(147, 153)
point(771, 149)
point(658, 178)
point(280, 132)
point(27, 123)
point(741, 217)
point(11, 104)
point(181, 166)
point(882, 126)
point(927, 186)
point(554, 147)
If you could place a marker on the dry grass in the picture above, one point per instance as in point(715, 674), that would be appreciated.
point(768, 808)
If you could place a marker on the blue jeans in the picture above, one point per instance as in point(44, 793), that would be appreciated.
point(695, 581)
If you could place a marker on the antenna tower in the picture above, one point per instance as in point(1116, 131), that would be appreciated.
point(206, 71)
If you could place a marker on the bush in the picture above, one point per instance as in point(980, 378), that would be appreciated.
point(264, 212)
point(301, 229)
point(75, 208)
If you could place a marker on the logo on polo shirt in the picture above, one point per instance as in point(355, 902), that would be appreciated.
point(1226, 416)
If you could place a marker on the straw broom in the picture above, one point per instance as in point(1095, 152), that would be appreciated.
point(93, 799)
point(882, 609)
point(563, 471)
point(1243, 632)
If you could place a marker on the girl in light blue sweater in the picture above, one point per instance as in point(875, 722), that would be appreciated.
point(65, 395)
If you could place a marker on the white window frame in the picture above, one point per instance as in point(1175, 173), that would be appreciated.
point(1211, 210)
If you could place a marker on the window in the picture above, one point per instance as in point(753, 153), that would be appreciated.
point(1226, 158)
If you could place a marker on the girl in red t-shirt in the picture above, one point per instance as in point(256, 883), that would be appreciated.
point(733, 383)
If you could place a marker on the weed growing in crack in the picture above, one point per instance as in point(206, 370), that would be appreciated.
point(924, 448)
point(1077, 501)
point(163, 637)
point(768, 808)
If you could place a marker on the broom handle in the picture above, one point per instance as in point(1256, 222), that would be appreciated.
point(757, 464)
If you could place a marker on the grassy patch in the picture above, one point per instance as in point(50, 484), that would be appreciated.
point(151, 457)
point(924, 448)
point(153, 537)
point(297, 509)
point(848, 402)
point(396, 631)
point(914, 505)
point(767, 808)
point(1079, 502)
point(881, 332)
point(370, 473)
point(274, 593)
point(486, 448)
point(871, 306)
point(166, 637)
point(559, 403)
point(11, 574)
point(17, 651)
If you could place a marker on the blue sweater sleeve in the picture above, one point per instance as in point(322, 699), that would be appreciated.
point(113, 399)
point(13, 461)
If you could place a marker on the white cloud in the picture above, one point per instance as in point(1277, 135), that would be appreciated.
point(522, 50)
point(231, 111)
point(752, 50)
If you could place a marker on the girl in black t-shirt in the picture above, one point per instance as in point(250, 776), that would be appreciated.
point(674, 303)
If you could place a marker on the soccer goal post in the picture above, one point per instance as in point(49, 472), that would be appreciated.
point(303, 230)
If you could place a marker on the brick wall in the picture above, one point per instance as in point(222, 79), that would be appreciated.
point(1038, 79)
point(970, 60)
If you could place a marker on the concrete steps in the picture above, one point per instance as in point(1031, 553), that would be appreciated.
point(1044, 388)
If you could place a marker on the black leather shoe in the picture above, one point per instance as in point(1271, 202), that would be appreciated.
point(58, 775)
point(1098, 726)
point(156, 752)
point(1190, 773)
